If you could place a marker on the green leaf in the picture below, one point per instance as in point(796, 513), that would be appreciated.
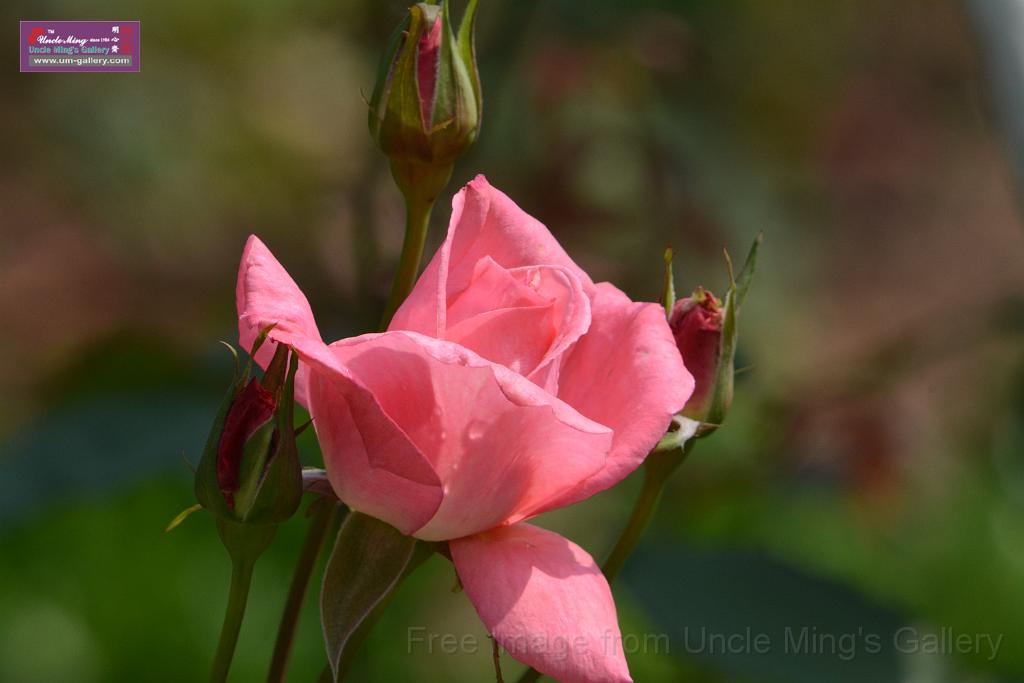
point(369, 560)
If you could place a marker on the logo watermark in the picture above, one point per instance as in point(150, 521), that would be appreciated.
point(419, 639)
point(69, 46)
point(795, 641)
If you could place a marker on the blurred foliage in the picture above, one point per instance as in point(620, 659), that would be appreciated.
point(870, 473)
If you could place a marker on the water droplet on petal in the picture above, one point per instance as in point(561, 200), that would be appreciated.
point(533, 278)
point(476, 430)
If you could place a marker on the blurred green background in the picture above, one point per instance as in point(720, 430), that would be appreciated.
point(871, 475)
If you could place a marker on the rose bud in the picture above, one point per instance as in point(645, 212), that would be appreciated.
point(426, 104)
point(250, 469)
point(697, 323)
point(705, 331)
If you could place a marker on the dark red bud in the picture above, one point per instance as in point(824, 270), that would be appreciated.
point(250, 410)
point(696, 324)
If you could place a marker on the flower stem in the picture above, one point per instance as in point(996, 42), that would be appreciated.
point(420, 184)
point(238, 595)
point(643, 510)
point(657, 469)
point(417, 219)
point(319, 525)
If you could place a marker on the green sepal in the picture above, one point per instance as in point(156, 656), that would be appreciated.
point(207, 488)
point(668, 289)
point(723, 386)
point(467, 50)
point(408, 109)
point(455, 114)
point(270, 482)
point(400, 132)
point(746, 275)
point(386, 77)
point(182, 516)
point(256, 456)
point(278, 491)
point(437, 132)
point(369, 560)
point(445, 107)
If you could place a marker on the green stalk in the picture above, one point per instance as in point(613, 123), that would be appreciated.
point(643, 510)
point(319, 525)
point(238, 595)
point(656, 473)
point(420, 185)
point(417, 219)
point(657, 470)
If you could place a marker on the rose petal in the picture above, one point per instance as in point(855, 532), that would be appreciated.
point(545, 601)
point(502, 318)
point(524, 318)
point(491, 288)
point(517, 338)
point(484, 223)
point(399, 486)
point(498, 443)
point(371, 463)
point(571, 314)
point(625, 373)
point(267, 295)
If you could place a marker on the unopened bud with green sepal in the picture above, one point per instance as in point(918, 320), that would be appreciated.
point(705, 330)
point(426, 105)
point(250, 471)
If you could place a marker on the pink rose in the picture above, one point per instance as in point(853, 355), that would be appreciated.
point(508, 384)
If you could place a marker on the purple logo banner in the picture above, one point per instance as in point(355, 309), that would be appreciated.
point(80, 46)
